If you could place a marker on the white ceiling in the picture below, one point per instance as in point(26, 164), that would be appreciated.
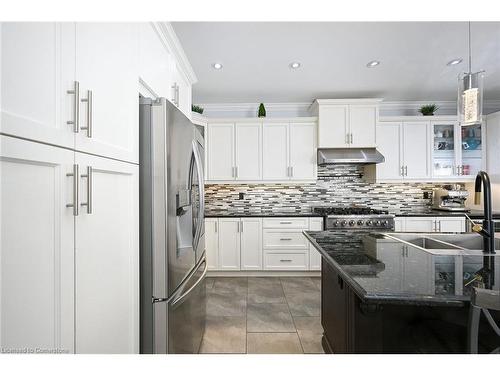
point(413, 55)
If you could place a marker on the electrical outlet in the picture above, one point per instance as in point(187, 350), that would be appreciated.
point(427, 195)
point(241, 196)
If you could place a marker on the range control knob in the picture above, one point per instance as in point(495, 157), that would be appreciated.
point(343, 223)
point(360, 222)
point(352, 222)
point(385, 223)
point(336, 223)
point(368, 223)
point(377, 223)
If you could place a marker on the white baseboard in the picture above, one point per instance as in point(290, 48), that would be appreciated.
point(263, 273)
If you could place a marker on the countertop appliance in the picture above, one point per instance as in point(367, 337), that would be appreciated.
point(172, 244)
point(355, 218)
point(450, 198)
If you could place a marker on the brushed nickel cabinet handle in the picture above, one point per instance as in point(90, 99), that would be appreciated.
point(89, 178)
point(76, 181)
point(285, 239)
point(215, 227)
point(76, 107)
point(236, 172)
point(406, 170)
point(241, 222)
point(291, 171)
point(351, 138)
point(90, 104)
point(285, 222)
point(174, 87)
point(285, 260)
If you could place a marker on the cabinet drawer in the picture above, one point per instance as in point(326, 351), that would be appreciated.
point(297, 260)
point(284, 239)
point(284, 222)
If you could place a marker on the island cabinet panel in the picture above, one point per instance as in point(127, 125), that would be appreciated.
point(333, 309)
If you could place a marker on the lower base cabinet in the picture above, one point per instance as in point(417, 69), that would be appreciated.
point(256, 244)
point(430, 224)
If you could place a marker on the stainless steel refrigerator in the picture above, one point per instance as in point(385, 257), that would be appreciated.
point(173, 265)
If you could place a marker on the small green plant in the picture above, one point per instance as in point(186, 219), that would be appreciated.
point(262, 110)
point(428, 109)
point(197, 109)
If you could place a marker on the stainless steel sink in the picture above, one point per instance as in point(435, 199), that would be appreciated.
point(445, 243)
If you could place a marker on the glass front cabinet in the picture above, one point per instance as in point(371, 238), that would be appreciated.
point(456, 151)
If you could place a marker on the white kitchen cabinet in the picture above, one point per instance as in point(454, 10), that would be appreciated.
point(420, 224)
point(405, 146)
point(302, 151)
point(212, 243)
point(416, 150)
point(181, 91)
point(36, 246)
point(229, 244)
point(251, 244)
point(389, 136)
point(37, 68)
point(156, 63)
point(107, 67)
point(275, 157)
point(344, 123)
point(266, 150)
point(451, 224)
point(315, 224)
point(362, 125)
point(399, 224)
point(248, 151)
point(430, 224)
point(107, 257)
point(220, 151)
point(333, 126)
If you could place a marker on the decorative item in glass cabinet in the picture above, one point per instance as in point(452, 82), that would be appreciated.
point(470, 93)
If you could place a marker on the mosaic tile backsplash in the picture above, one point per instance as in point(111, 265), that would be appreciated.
point(337, 185)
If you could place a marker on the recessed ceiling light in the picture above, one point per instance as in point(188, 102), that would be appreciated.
point(295, 65)
point(454, 62)
point(217, 66)
point(373, 64)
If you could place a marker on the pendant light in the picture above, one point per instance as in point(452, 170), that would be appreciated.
point(470, 94)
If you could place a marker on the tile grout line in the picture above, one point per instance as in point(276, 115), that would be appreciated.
point(246, 320)
point(293, 320)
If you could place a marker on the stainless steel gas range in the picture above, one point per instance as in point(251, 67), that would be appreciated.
point(355, 218)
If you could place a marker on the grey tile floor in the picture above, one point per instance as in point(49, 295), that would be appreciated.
point(263, 315)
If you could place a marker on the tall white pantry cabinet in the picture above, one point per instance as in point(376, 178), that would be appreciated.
point(69, 182)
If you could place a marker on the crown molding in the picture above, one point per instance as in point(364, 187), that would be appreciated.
point(386, 108)
point(169, 37)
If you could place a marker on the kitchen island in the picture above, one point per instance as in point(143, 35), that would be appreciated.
point(383, 295)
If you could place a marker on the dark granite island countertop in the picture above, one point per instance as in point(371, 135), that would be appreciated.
point(383, 270)
point(380, 295)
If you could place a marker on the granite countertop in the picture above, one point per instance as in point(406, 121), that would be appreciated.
point(473, 214)
point(226, 213)
point(383, 270)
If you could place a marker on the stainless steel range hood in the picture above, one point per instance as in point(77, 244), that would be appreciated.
point(349, 156)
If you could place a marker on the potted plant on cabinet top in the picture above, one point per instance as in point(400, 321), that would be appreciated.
point(428, 109)
point(197, 109)
point(262, 110)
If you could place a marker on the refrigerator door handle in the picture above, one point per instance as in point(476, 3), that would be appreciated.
point(201, 191)
point(186, 293)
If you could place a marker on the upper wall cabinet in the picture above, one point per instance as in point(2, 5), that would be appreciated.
point(107, 68)
point(164, 69)
point(156, 63)
point(344, 123)
point(256, 150)
point(37, 70)
point(416, 148)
